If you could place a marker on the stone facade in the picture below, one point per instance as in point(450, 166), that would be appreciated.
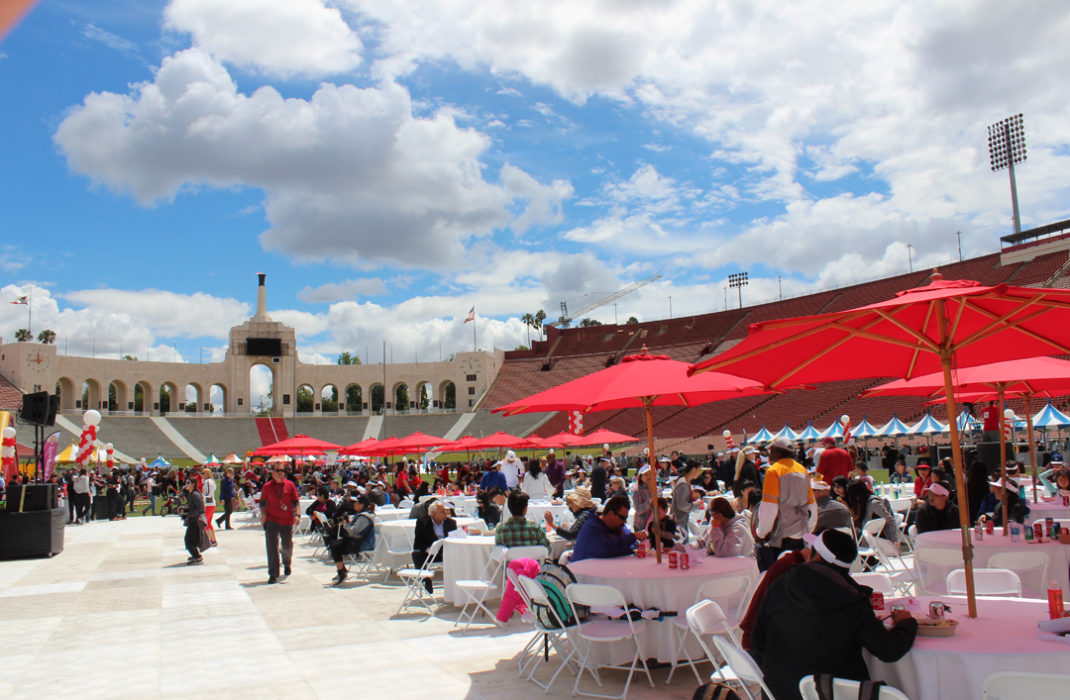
point(34, 366)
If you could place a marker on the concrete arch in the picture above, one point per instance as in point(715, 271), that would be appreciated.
point(91, 395)
point(329, 398)
point(376, 398)
point(168, 399)
point(354, 399)
point(143, 396)
point(67, 393)
point(192, 400)
point(263, 390)
point(307, 400)
point(447, 392)
point(119, 399)
point(401, 397)
point(424, 395)
point(217, 398)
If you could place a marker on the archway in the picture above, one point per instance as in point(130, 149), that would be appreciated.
point(424, 398)
point(90, 395)
point(192, 397)
point(168, 398)
point(142, 404)
point(306, 398)
point(217, 398)
point(261, 390)
point(401, 397)
point(329, 399)
point(448, 392)
point(354, 399)
point(67, 394)
point(377, 398)
point(117, 397)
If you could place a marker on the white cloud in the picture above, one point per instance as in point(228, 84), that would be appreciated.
point(277, 37)
point(114, 41)
point(168, 314)
point(349, 175)
point(337, 291)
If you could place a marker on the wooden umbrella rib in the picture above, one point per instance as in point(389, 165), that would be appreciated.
point(921, 337)
point(1000, 324)
point(760, 350)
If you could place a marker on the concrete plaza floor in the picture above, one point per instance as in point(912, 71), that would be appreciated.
point(119, 614)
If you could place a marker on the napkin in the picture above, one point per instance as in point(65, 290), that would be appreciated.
point(1057, 630)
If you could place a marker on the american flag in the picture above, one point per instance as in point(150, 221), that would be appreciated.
point(21, 300)
point(471, 315)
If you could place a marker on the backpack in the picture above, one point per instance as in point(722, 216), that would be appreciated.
point(715, 691)
point(554, 578)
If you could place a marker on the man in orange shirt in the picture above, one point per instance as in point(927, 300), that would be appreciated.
point(788, 510)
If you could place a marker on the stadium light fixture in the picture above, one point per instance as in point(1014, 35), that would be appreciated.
point(738, 280)
point(1006, 146)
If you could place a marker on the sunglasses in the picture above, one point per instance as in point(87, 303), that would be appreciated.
point(279, 471)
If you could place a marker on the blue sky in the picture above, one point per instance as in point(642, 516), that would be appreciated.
point(390, 165)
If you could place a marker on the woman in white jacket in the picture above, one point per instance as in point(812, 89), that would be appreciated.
point(729, 535)
point(536, 484)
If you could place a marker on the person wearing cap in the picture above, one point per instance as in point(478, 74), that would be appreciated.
point(641, 497)
point(831, 514)
point(582, 507)
point(355, 533)
point(729, 533)
point(1048, 476)
point(599, 475)
point(493, 478)
point(939, 513)
point(512, 469)
point(1006, 490)
point(788, 510)
point(833, 461)
point(816, 619)
point(923, 479)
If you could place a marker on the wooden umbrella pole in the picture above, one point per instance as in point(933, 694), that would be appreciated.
point(956, 456)
point(1032, 446)
point(648, 404)
point(1003, 458)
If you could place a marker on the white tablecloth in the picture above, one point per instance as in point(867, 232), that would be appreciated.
point(1003, 637)
point(948, 543)
point(389, 516)
point(648, 585)
point(560, 513)
point(1051, 509)
point(398, 535)
point(465, 559)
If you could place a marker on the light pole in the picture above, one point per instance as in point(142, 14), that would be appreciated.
point(1006, 146)
point(910, 258)
point(670, 308)
point(725, 289)
point(738, 280)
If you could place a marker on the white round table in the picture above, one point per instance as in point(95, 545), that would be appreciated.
point(938, 552)
point(646, 584)
point(1048, 509)
point(1003, 637)
point(398, 536)
point(466, 557)
point(389, 516)
point(536, 510)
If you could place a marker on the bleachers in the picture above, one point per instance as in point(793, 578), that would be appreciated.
point(134, 435)
point(10, 396)
point(484, 423)
point(215, 435)
point(432, 424)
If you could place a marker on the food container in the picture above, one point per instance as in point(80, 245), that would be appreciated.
point(942, 627)
point(673, 559)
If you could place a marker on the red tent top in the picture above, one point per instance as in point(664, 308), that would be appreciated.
point(359, 448)
point(1044, 376)
point(603, 436)
point(498, 439)
point(298, 445)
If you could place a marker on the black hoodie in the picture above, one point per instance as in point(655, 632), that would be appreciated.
point(817, 619)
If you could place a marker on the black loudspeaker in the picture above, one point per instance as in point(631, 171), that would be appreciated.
point(37, 497)
point(988, 452)
point(35, 407)
point(53, 409)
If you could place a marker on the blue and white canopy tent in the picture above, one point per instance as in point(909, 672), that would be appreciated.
point(160, 462)
point(1050, 417)
point(762, 435)
point(810, 433)
point(834, 431)
point(864, 429)
point(787, 432)
point(927, 426)
point(893, 428)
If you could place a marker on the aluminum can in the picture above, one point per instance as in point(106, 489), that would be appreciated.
point(685, 560)
point(990, 527)
point(1038, 530)
point(877, 600)
point(978, 532)
point(673, 559)
point(936, 609)
point(640, 549)
point(1066, 500)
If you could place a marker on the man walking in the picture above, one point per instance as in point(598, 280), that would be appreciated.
point(278, 514)
point(788, 510)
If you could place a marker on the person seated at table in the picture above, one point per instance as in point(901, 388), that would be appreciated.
point(490, 504)
point(899, 474)
point(866, 505)
point(356, 533)
point(862, 474)
point(616, 487)
point(1059, 484)
point(436, 525)
point(839, 489)
point(729, 534)
point(667, 525)
point(322, 504)
point(923, 479)
point(582, 507)
point(939, 513)
point(831, 514)
point(518, 531)
point(607, 535)
point(816, 619)
point(1017, 510)
point(536, 484)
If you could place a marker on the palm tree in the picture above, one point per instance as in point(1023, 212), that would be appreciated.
point(23, 335)
point(46, 336)
point(529, 321)
point(540, 316)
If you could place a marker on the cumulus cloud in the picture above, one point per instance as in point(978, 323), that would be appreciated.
point(348, 289)
point(349, 174)
point(277, 37)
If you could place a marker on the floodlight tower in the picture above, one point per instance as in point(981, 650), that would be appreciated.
point(1006, 146)
point(738, 280)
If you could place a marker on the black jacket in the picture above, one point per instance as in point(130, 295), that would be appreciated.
point(929, 518)
point(816, 619)
point(424, 536)
point(598, 481)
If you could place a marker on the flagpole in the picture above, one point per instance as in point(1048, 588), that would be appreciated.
point(29, 312)
point(474, 346)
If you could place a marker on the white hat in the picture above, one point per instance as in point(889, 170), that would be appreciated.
point(819, 545)
point(510, 456)
point(818, 485)
point(750, 450)
point(783, 443)
point(939, 490)
point(605, 445)
point(663, 458)
point(1009, 484)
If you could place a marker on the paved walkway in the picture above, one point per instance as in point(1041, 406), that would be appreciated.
point(118, 613)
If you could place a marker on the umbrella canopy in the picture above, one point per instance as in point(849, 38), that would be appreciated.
point(864, 429)
point(762, 435)
point(893, 428)
point(926, 426)
point(810, 432)
point(419, 442)
point(359, 448)
point(298, 445)
point(603, 437)
point(1050, 417)
point(233, 459)
point(562, 439)
point(498, 439)
point(461, 444)
point(945, 324)
point(159, 462)
point(385, 448)
point(787, 432)
point(212, 461)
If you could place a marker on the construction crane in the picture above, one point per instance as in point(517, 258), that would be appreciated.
point(566, 319)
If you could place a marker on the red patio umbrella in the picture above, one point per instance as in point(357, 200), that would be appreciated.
point(642, 380)
point(461, 444)
point(298, 445)
point(419, 442)
point(498, 439)
point(359, 448)
point(945, 324)
point(601, 437)
point(562, 439)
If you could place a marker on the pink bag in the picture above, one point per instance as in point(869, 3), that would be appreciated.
point(511, 600)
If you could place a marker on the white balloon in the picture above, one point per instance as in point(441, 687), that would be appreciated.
point(845, 418)
point(1008, 414)
point(9, 432)
point(109, 446)
point(91, 417)
point(727, 434)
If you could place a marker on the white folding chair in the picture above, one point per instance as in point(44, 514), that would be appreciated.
point(324, 523)
point(706, 619)
point(732, 594)
point(879, 582)
point(986, 582)
point(891, 560)
point(744, 668)
point(932, 567)
point(533, 594)
point(476, 590)
point(405, 504)
point(602, 631)
point(844, 689)
point(304, 526)
point(536, 552)
point(1013, 685)
point(1031, 567)
point(414, 579)
point(865, 552)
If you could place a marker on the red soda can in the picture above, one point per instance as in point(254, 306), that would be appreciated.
point(1048, 522)
point(673, 559)
point(685, 560)
point(877, 600)
point(990, 527)
point(1066, 500)
point(640, 549)
point(1038, 530)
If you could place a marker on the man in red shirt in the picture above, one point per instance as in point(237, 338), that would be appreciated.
point(834, 461)
point(279, 512)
